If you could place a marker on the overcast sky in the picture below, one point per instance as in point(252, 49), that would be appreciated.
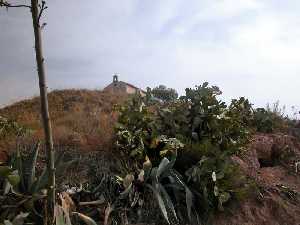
point(246, 47)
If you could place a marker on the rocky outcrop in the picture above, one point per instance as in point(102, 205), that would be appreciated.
point(270, 160)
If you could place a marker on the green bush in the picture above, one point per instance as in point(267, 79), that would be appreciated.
point(165, 94)
point(271, 120)
point(210, 133)
point(166, 185)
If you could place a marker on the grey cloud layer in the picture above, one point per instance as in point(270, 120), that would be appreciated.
point(247, 47)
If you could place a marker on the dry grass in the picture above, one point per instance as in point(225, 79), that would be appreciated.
point(82, 119)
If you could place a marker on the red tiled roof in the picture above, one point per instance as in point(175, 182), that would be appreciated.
point(130, 85)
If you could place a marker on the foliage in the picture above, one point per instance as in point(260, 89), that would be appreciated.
point(242, 110)
point(9, 127)
point(210, 119)
point(208, 131)
point(270, 120)
point(165, 94)
point(263, 120)
point(24, 188)
point(175, 158)
point(218, 180)
point(63, 213)
point(137, 135)
point(18, 220)
point(162, 183)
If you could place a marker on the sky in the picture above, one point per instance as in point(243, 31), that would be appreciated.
point(248, 48)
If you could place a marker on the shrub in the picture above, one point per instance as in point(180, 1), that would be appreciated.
point(209, 130)
point(270, 120)
point(165, 94)
point(10, 127)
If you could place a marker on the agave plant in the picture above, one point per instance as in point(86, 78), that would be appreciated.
point(18, 220)
point(168, 188)
point(23, 188)
point(63, 212)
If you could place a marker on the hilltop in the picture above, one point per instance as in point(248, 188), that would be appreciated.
point(80, 118)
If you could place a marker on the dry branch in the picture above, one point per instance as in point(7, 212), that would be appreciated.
point(8, 5)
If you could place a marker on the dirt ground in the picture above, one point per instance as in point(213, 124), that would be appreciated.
point(271, 161)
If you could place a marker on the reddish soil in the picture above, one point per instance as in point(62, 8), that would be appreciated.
point(3, 156)
point(270, 160)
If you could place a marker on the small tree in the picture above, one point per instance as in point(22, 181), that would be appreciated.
point(164, 93)
point(37, 7)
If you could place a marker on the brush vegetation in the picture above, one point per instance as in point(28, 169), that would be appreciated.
point(134, 159)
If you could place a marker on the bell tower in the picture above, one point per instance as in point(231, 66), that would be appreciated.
point(115, 78)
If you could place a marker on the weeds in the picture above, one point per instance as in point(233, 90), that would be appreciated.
point(172, 160)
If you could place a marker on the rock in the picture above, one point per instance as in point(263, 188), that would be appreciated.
point(263, 145)
point(273, 205)
point(3, 156)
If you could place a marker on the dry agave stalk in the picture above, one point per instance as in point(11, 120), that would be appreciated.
point(18, 220)
point(63, 212)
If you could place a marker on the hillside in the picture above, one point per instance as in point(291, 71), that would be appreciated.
point(256, 169)
point(270, 160)
point(80, 118)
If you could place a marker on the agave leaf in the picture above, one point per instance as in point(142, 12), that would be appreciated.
point(87, 220)
point(167, 200)
point(160, 202)
point(32, 163)
point(7, 187)
point(153, 173)
point(216, 191)
point(162, 167)
point(109, 209)
point(173, 159)
point(189, 202)
point(19, 167)
point(42, 181)
point(7, 222)
point(19, 220)
point(5, 171)
point(60, 216)
point(167, 170)
point(14, 178)
point(197, 219)
point(188, 194)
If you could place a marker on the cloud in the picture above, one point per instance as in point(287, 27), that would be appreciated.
point(247, 47)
